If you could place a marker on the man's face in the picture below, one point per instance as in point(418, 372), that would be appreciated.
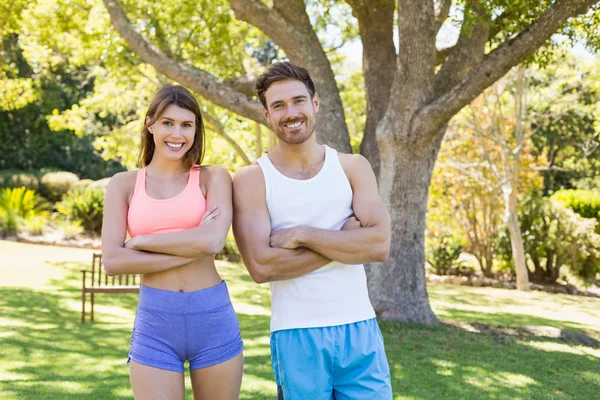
point(290, 111)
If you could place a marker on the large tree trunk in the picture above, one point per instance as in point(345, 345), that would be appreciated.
point(397, 287)
point(375, 24)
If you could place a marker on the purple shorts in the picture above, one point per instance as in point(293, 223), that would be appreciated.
point(171, 327)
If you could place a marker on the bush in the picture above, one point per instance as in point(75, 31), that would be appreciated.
point(54, 185)
point(555, 237)
point(230, 251)
point(584, 202)
point(14, 179)
point(35, 225)
point(84, 183)
point(69, 229)
point(84, 205)
point(18, 204)
point(442, 253)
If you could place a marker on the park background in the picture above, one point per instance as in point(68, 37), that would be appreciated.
point(480, 118)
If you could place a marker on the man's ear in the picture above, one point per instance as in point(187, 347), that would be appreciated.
point(315, 101)
point(266, 114)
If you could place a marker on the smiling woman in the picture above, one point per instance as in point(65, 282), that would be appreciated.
point(184, 311)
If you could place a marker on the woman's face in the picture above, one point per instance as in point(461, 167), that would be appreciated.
point(173, 132)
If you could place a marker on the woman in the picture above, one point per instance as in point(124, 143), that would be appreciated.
point(177, 214)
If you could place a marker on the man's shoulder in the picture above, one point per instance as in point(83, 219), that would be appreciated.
point(353, 162)
point(248, 175)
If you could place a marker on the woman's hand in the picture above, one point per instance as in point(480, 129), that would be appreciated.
point(210, 215)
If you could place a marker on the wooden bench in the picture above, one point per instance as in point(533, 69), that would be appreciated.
point(96, 281)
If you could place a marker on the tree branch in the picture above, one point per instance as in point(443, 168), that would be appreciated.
point(442, 54)
point(242, 84)
point(497, 63)
point(442, 13)
point(216, 126)
point(468, 51)
point(198, 80)
point(288, 25)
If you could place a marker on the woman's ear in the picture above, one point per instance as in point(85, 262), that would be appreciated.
point(150, 127)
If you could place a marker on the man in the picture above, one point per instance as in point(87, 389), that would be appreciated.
point(305, 219)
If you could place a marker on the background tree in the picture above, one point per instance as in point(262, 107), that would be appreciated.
point(411, 92)
point(408, 118)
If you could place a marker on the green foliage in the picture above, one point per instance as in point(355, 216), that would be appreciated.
point(565, 104)
point(13, 179)
point(442, 252)
point(23, 202)
point(84, 205)
point(70, 229)
point(35, 225)
point(584, 202)
point(54, 185)
point(554, 238)
point(230, 251)
point(18, 204)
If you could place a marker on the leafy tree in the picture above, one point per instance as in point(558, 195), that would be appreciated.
point(409, 103)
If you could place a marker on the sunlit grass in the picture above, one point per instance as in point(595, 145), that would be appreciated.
point(46, 353)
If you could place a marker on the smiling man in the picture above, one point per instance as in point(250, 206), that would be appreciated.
point(305, 219)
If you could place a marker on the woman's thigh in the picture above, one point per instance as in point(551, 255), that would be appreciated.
point(219, 382)
point(155, 383)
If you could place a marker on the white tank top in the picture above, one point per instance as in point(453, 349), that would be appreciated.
point(335, 294)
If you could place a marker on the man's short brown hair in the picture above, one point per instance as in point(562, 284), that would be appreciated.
point(281, 71)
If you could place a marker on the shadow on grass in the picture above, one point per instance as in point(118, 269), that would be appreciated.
point(508, 319)
point(449, 363)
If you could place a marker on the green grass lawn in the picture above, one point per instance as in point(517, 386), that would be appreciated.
point(46, 353)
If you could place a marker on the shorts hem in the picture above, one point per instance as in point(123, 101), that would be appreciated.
point(228, 356)
point(155, 364)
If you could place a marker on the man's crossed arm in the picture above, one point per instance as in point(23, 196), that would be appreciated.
point(292, 252)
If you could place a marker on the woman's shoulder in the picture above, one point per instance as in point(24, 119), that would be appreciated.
point(123, 180)
point(214, 173)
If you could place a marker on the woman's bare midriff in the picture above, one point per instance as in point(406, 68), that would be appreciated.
point(197, 275)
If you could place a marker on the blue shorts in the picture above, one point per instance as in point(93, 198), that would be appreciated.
point(335, 362)
point(171, 327)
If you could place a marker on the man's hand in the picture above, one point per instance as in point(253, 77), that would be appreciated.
point(287, 238)
point(351, 224)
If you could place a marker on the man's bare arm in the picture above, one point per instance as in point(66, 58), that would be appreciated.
point(369, 243)
point(252, 229)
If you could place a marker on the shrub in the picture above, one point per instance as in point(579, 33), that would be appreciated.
point(84, 205)
point(84, 183)
point(14, 179)
point(18, 204)
point(230, 251)
point(584, 202)
point(35, 225)
point(54, 185)
point(442, 253)
point(555, 237)
point(69, 229)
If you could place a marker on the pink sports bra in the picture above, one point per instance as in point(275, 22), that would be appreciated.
point(184, 211)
